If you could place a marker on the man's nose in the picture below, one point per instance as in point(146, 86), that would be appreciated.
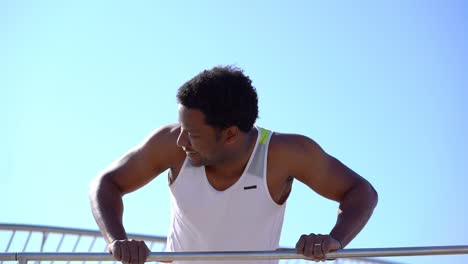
point(182, 140)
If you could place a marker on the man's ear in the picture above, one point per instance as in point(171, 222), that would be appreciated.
point(231, 134)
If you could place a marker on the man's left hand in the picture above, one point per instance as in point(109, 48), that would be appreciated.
point(315, 247)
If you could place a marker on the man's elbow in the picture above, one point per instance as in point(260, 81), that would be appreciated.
point(371, 195)
point(103, 185)
point(94, 188)
point(362, 195)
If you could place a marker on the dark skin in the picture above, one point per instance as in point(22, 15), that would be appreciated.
point(225, 153)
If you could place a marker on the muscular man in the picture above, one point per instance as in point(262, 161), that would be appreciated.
point(228, 179)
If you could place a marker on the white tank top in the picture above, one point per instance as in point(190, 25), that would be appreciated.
point(243, 217)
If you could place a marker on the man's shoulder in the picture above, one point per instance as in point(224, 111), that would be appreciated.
point(165, 134)
point(173, 129)
point(289, 149)
point(164, 140)
point(286, 142)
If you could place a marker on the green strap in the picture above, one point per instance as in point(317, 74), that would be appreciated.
point(264, 133)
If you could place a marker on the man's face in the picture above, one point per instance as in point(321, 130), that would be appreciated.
point(200, 141)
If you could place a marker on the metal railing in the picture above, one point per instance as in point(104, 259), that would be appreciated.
point(59, 240)
point(48, 251)
point(243, 255)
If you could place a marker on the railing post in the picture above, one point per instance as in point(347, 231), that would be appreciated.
point(22, 260)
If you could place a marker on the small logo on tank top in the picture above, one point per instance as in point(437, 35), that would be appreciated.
point(250, 187)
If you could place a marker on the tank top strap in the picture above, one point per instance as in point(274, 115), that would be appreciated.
point(258, 164)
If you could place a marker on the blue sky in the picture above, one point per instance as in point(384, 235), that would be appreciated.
point(382, 86)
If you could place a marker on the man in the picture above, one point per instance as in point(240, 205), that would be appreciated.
point(229, 180)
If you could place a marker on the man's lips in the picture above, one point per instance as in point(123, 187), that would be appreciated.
point(188, 151)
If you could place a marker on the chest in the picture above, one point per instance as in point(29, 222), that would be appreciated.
point(248, 198)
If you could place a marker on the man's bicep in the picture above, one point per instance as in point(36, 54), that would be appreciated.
point(322, 172)
point(337, 179)
point(143, 163)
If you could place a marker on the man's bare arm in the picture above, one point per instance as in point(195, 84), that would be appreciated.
point(134, 170)
point(332, 179)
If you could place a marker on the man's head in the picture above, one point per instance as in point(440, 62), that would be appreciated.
point(224, 95)
point(216, 103)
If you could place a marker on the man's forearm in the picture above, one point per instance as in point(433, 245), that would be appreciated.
point(107, 207)
point(356, 209)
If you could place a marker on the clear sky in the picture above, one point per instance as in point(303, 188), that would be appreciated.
point(380, 85)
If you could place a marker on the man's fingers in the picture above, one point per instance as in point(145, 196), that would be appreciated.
point(143, 251)
point(323, 246)
point(317, 248)
point(313, 246)
point(301, 244)
point(125, 251)
point(129, 251)
point(116, 251)
point(309, 246)
point(134, 251)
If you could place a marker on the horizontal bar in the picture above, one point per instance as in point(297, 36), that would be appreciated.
point(8, 257)
point(399, 251)
point(74, 231)
point(244, 255)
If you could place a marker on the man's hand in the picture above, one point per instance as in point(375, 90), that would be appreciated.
point(129, 251)
point(316, 246)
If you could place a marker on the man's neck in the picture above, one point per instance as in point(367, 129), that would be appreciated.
point(234, 165)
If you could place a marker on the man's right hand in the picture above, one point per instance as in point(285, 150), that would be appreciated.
point(129, 251)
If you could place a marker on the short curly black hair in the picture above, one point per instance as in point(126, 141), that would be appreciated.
point(224, 95)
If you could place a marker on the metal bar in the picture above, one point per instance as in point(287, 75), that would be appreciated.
point(90, 247)
point(22, 260)
point(44, 239)
point(291, 254)
point(27, 240)
point(9, 241)
point(400, 251)
point(92, 244)
point(59, 245)
point(105, 249)
point(76, 245)
point(244, 255)
point(8, 256)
